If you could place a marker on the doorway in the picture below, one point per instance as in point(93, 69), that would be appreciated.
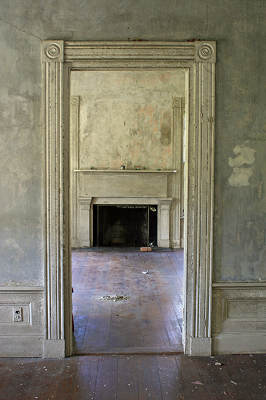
point(127, 134)
point(197, 59)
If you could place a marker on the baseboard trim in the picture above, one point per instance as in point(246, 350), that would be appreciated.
point(163, 243)
point(167, 350)
point(175, 244)
point(239, 343)
point(54, 348)
point(21, 346)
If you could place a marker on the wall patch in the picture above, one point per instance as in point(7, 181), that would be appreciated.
point(241, 174)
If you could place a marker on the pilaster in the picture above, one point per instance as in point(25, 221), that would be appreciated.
point(84, 221)
point(178, 192)
point(200, 180)
point(163, 223)
point(53, 58)
point(74, 165)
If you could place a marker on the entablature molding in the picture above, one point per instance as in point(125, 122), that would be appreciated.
point(72, 51)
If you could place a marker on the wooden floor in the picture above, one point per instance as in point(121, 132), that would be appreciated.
point(148, 321)
point(134, 378)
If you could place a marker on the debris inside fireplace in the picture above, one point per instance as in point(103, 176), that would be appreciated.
point(147, 248)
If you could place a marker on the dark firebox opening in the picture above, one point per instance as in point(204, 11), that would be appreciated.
point(124, 225)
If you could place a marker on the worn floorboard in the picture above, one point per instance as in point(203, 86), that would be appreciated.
point(150, 319)
point(239, 377)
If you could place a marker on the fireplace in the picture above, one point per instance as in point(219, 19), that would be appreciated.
point(124, 225)
point(142, 219)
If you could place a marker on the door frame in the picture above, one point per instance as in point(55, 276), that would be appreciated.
point(198, 59)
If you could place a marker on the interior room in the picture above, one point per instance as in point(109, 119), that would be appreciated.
point(127, 132)
point(61, 61)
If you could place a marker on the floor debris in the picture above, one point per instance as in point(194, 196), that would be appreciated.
point(146, 248)
point(115, 298)
point(197, 383)
point(146, 272)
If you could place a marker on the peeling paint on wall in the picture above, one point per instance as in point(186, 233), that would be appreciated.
point(241, 174)
point(126, 117)
point(244, 155)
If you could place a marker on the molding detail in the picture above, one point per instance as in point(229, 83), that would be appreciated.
point(23, 337)
point(239, 318)
point(75, 100)
point(85, 51)
point(199, 204)
point(53, 51)
point(56, 227)
point(239, 285)
point(178, 102)
point(21, 289)
point(198, 59)
point(205, 52)
point(178, 105)
point(21, 346)
point(84, 221)
point(54, 348)
point(131, 200)
point(74, 163)
point(200, 346)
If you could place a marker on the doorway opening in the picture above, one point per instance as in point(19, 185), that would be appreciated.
point(127, 189)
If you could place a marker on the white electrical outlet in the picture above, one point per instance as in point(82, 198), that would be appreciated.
point(18, 314)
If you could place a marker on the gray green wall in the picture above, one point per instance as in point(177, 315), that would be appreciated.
point(240, 202)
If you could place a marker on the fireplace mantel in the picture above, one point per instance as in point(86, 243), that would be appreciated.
point(123, 187)
point(124, 171)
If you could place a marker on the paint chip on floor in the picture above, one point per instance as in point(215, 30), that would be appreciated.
point(115, 298)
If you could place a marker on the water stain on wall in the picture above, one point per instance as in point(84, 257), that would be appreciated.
point(133, 132)
point(165, 130)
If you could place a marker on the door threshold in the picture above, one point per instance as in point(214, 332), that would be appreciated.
point(164, 350)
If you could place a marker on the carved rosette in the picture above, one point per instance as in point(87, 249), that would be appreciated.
point(178, 102)
point(74, 100)
point(53, 51)
point(205, 52)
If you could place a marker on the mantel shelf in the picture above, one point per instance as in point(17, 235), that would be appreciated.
point(134, 171)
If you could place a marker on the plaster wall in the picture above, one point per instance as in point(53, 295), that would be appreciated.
point(126, 118)
point(239, 28)
point(240, 203)
point(21, 163)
